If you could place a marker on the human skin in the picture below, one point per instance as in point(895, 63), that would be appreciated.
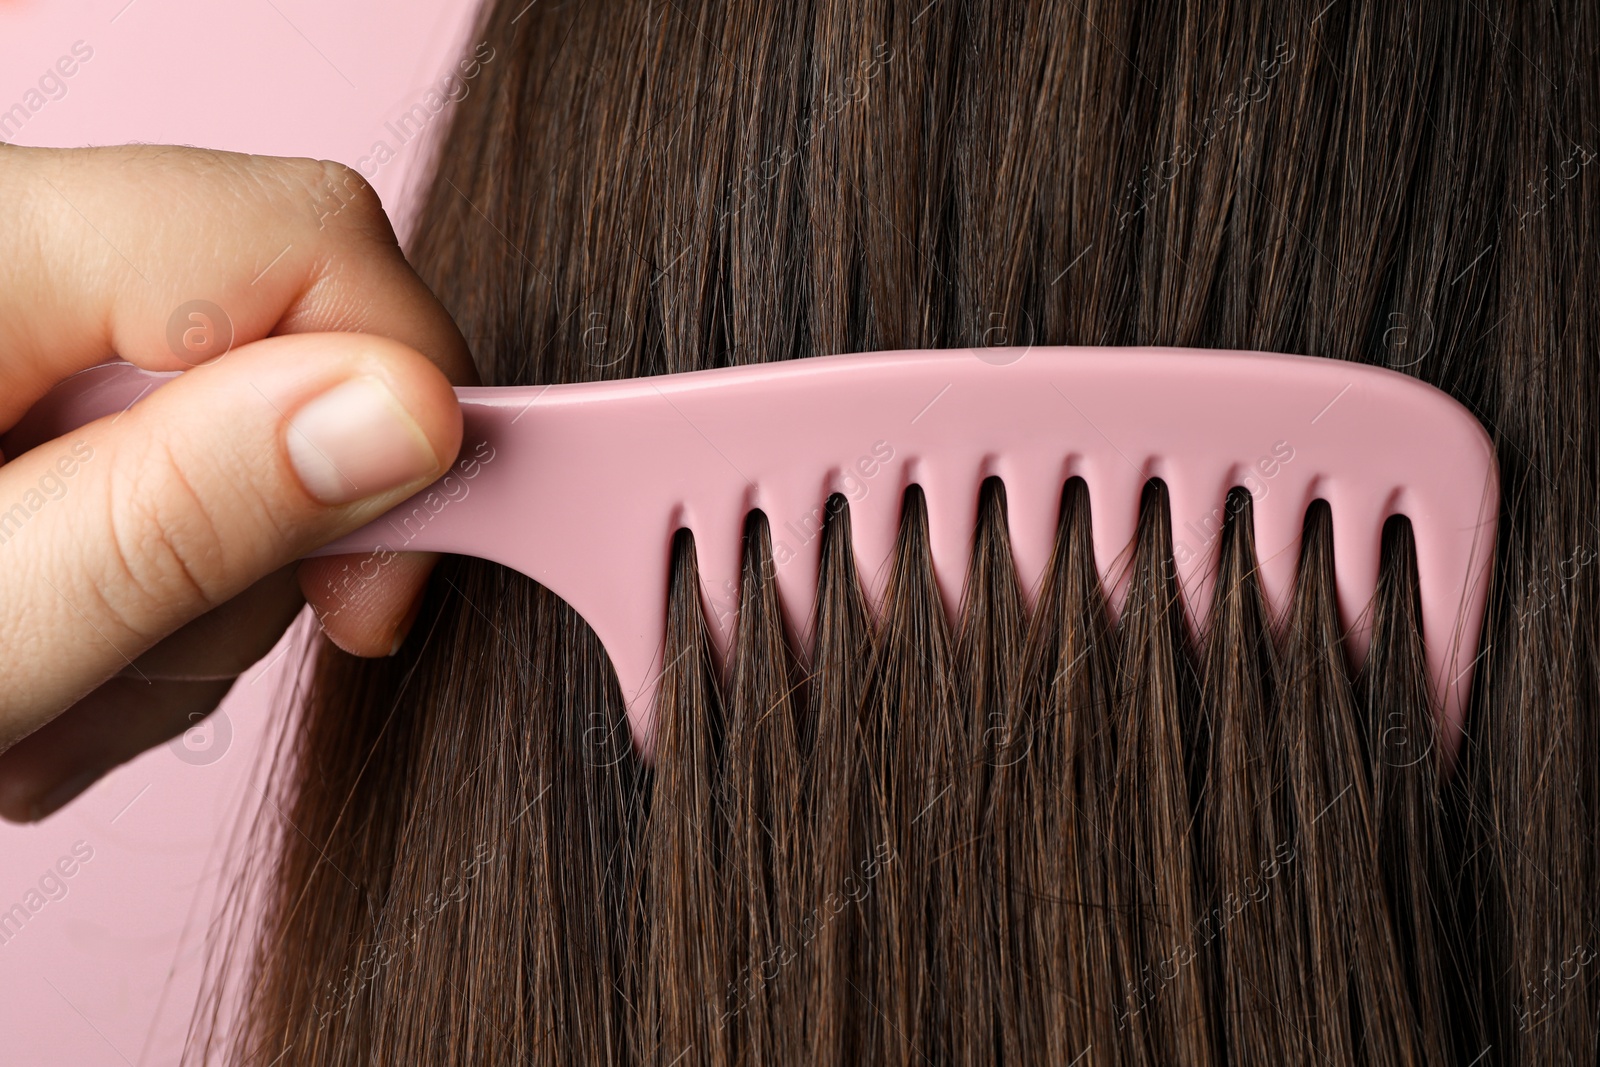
point(138, 586)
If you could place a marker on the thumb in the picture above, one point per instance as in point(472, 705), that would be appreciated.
point(119, 533)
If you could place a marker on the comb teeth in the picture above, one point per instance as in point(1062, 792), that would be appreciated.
point(582, 486)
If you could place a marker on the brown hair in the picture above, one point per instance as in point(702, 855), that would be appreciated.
point(1033, 835)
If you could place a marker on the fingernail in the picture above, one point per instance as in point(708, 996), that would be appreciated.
point(59, 796)
point(356, 441)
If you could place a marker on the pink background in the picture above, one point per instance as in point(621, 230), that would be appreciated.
point(108, 972)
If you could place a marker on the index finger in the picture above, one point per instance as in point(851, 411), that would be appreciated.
point(167, 257)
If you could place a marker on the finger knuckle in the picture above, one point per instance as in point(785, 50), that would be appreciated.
point(329, 196)
point(168, 552)
point(347, 199)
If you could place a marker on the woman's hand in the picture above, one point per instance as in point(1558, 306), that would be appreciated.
point(149, 557)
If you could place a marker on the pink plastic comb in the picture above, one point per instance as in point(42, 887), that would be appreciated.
point(582, 487)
